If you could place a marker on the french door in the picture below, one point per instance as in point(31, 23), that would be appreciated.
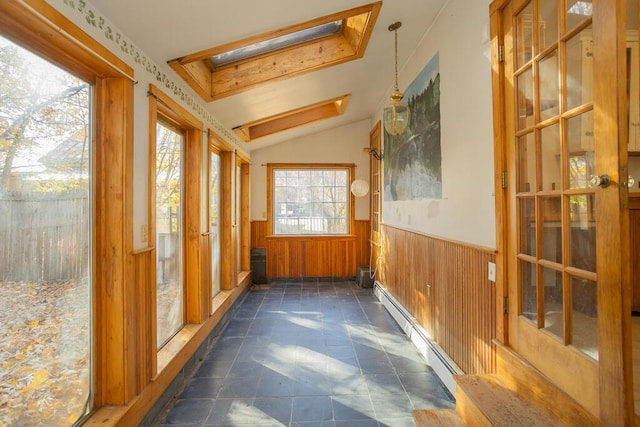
point(563, 80)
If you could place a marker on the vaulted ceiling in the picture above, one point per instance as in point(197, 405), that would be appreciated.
point(349, 90)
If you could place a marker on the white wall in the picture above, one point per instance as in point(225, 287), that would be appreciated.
point(339, 145)
point(466, 211)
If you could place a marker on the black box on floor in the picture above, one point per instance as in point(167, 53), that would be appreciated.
point(363, 277)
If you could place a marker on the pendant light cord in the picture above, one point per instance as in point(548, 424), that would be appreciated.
point(396, 59)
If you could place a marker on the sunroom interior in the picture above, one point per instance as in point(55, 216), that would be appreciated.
point(162, 164)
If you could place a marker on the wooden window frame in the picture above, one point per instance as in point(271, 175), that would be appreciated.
point(197, 293)
point(228, 158)
point(214, 146)
point(271, 167)
point(43, 30)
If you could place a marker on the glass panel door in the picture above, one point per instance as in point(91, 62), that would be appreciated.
point(553, 275)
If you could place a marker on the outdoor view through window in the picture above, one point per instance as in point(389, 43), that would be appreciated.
point(45, 243)
point(310, 201)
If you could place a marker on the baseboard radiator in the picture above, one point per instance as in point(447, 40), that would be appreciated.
point(435, 356)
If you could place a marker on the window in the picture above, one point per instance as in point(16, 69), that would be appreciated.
point(279, 42)
point(214, 220)
point(45, 241)
point(176, 165)
point(238, 220)
point(169, 253)
point(309, 200)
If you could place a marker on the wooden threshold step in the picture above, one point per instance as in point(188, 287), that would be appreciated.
point(437, 418)
point(482, 401)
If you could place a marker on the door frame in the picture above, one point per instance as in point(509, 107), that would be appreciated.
point(614, 284)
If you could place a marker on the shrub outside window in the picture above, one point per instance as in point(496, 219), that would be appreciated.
point(310, 200)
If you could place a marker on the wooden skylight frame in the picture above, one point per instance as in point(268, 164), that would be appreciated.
point(213, 83)
point(294, 118)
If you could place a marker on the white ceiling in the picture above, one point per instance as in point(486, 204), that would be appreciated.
point(168, 29)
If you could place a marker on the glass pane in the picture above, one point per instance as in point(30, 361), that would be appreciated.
point(528, 226)
point(548, 17)
point(214, 222)
point(550, 146)
point(584, 316)
point(169, 295)
point(582, 243)
point(578, 11)
point(524, 84)
point(553, 312)
point(312, 202)
point(529, 295)
point(579, 69)
point(45, 241)
point(524, 35)
point(527, 163)
point(580, 144)
point(239, 219)
point(548, 91)
point(552, 229)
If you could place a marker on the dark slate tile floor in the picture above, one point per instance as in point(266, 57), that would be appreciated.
point(309, 353)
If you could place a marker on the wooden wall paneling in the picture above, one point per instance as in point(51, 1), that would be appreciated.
point(317, 256)
point(343, 262)
point(297, 250)
point(285, 257)
point(259, 234)
point(205, 274)
point(363, 246)
point(145, 348)
point(458, 307)
point(309, 256)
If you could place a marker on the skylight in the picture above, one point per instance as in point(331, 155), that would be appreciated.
point(280, 53)
point(271, 45)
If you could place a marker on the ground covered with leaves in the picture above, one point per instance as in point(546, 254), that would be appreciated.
point(44, 352)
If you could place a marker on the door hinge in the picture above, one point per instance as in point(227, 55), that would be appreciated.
point(505, 305)
point(501, 53)
point(503, 179)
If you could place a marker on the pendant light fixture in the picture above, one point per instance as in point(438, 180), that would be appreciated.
point(396, 115)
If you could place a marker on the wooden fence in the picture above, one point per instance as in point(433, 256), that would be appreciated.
point(44, 237)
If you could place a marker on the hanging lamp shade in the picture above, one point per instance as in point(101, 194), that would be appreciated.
point(359, 188)
point(397, 114)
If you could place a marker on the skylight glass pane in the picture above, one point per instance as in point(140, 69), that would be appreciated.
point(276, 43)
